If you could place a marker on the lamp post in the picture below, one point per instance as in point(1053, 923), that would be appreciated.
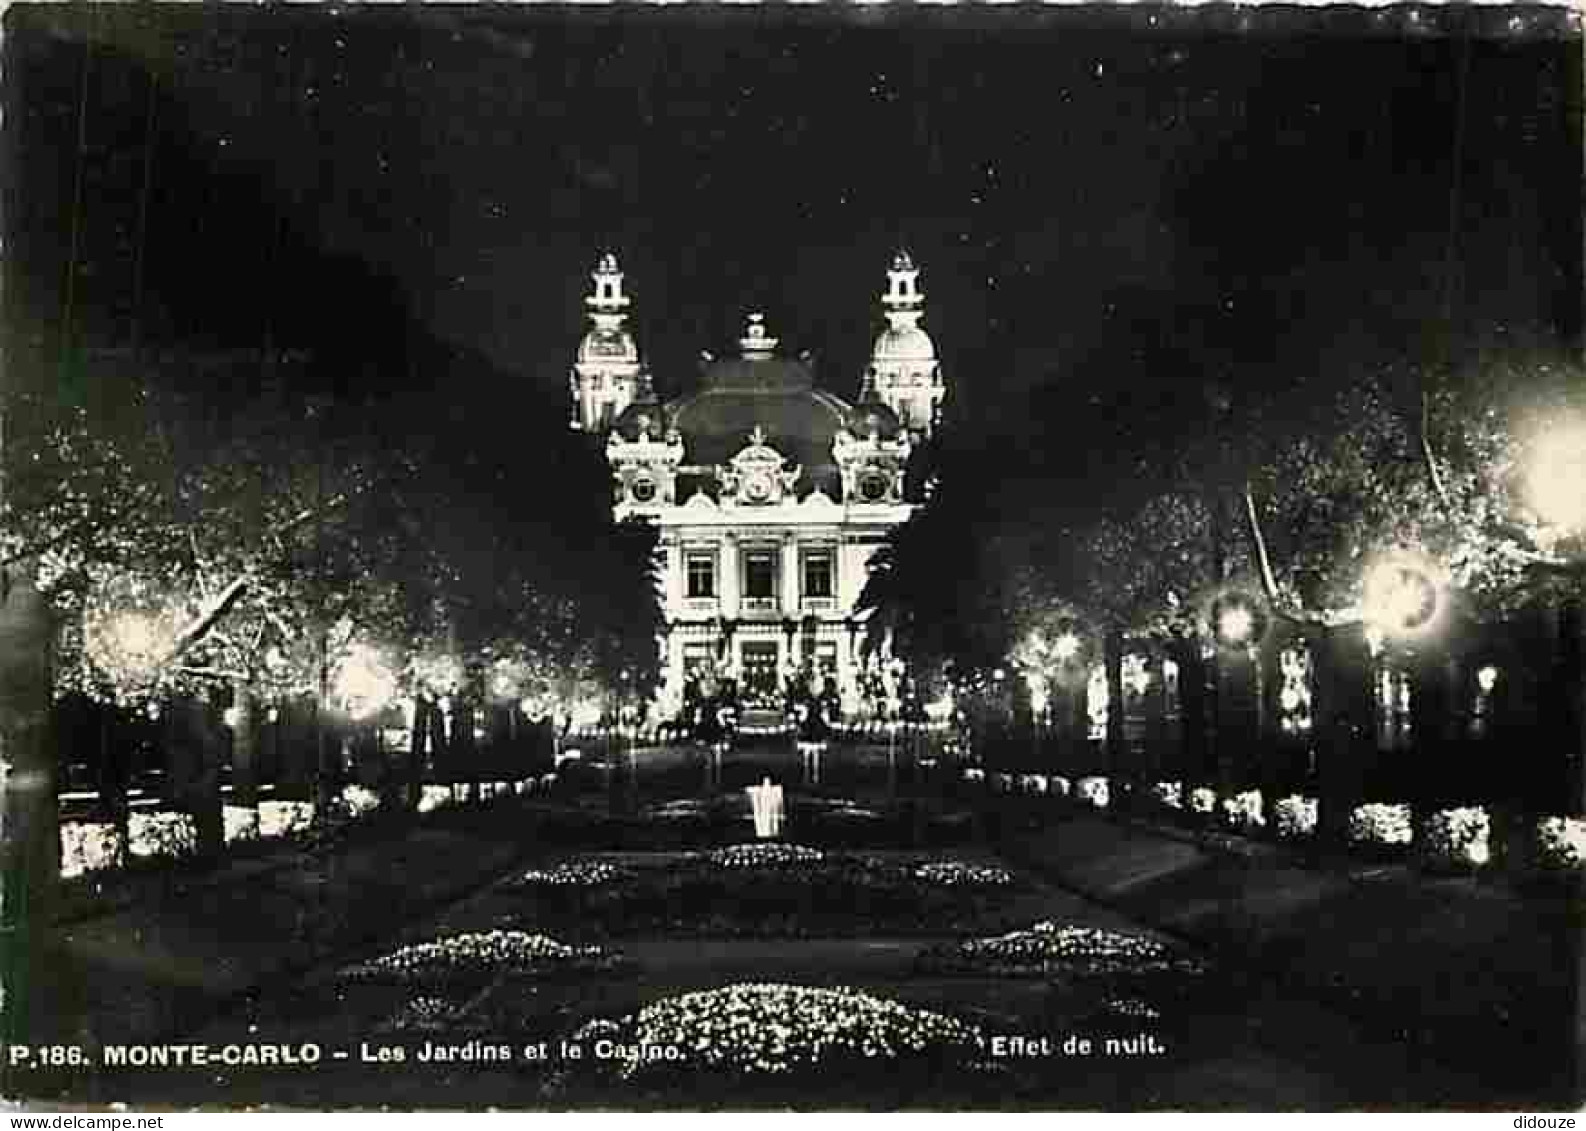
point(1239, 623)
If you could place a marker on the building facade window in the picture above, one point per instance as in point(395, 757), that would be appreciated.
point(759, 575)
point(818, 575)
point(701, 576)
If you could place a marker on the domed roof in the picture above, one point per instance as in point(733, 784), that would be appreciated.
point(778, 397)
point(609, 347)
point(904, 343)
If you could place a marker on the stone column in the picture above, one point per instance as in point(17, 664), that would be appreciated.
point(727, 566)
point(789, 561)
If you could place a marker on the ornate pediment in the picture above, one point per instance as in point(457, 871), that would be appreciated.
point(758, 475)
point(871, 466)
point(644, 469)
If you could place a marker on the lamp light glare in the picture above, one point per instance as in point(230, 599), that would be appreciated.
point(1487, 679)
point(1557, 470)
point(364, 685)
point(1235, 625)
point(1399, 598)
point(1066, 647)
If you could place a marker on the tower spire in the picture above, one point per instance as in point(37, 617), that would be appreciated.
point(904, 372)
point(607, 375)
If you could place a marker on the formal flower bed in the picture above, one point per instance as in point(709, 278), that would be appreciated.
point(575, 874)
point(1048, 948)
point(427, 1013)
point(771, 890)
point(768, 854)
point(474, 954)
point(764, 1029)
point(957, 873)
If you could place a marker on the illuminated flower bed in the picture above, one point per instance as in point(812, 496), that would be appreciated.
point(1561, 843)
point(956, 873)
point(1048, 948)
point(772, 890)
point(427, 1014)
point(777, 1030)
point(484, 953)
point(1295, 817)
point(770, 854)
point(576, 873)
point(1458, 838)
point(88, 846)
point(1381, 825)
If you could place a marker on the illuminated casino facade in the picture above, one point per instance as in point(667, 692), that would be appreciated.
point(770, 493)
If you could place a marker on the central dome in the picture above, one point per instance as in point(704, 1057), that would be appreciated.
point(908, 343)
point(609, 346)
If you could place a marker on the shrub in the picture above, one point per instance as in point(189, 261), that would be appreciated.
point(1561, 843)
point(1295, 817)
point(242, 822)
point(162, 834)
point(1094, 792)
point(1243, 810)
point(282, 818)
point(1459, 837)
point(89, 846)
point(1381, 824)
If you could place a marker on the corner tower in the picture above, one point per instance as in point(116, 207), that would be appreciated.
point(904, 373)
point(607, 375)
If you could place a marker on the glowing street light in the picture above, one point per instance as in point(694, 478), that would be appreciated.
point(1237, 621)
point(1556, 469)
point(1400, 597)
point(1066, 647)
point(364, 684)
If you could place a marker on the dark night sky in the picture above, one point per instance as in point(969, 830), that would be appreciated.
point(1108, 206)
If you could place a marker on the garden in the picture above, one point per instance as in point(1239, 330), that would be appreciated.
point(773, 890)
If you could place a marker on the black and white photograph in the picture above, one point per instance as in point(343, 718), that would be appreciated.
point(738, 557)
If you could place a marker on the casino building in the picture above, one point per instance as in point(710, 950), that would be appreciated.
point(770, 493)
